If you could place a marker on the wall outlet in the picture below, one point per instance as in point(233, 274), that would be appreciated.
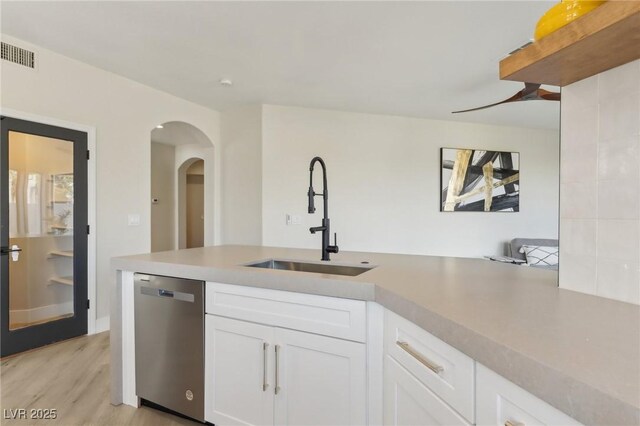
point(133, 219)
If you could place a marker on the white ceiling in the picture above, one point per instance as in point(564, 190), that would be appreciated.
point(420, 59)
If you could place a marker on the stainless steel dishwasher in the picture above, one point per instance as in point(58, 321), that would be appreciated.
point(169, 338)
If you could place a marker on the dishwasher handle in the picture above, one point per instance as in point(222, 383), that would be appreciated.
point(165, 293)
point(169, 294)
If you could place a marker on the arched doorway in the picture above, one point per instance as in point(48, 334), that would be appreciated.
point(181, 187)
point(191, 203)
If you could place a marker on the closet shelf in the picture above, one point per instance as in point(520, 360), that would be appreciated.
point(61, 253)
point(61, 280)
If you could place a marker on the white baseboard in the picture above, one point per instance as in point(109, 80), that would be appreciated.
point(102, 324)
point(41, 312)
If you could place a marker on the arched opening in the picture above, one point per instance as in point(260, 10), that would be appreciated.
point(191, 203)
point(181, 187)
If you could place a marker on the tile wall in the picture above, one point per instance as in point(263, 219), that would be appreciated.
point(600, 185)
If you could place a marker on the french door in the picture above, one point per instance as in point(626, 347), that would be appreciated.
point(43, 238)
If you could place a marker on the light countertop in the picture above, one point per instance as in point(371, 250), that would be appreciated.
point(579, 353)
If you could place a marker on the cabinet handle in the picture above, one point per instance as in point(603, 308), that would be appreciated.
point(513, 423)
point(265, 385)
point(277, 388)
point(421, 359)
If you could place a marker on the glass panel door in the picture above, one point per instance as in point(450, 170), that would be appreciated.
point(43, 257)
point(41, 225)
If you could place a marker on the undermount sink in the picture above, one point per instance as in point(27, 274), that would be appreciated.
point(319, 268)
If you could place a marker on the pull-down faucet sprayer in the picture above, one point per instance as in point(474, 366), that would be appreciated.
point(326, 248)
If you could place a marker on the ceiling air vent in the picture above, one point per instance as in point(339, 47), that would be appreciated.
point(18, 55)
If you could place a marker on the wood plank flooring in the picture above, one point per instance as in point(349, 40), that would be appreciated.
point(72, 377)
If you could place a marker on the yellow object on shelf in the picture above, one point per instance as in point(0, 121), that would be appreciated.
point(563, 13)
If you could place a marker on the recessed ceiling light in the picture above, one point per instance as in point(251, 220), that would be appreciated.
point(159, 126)
point(226, 82)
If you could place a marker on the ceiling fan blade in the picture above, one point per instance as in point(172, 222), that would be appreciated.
point(548, 96)
point(515, 98)
point(522, 95)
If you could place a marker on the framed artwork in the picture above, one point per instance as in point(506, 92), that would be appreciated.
point(479, 181)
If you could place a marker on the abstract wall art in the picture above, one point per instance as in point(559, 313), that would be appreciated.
point(479, 181)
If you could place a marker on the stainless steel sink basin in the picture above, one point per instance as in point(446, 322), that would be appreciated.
point(320, 268)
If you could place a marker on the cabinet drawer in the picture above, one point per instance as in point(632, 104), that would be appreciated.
point(449, 373)
point(329, 316)
point(503, 403)
point(408, 402)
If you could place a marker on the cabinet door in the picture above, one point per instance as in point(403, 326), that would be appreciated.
point(321, 380)
point(238, 372)
point(408, 402)
point(501, 402)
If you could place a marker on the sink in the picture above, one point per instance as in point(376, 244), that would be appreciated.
point(319, 268)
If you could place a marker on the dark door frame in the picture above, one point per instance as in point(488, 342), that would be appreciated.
point(18, 340)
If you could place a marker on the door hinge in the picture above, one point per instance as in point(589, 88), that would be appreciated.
point(88, 304)
point(88, 229)
point(88, 155)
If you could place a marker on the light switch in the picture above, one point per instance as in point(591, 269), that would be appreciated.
point(133, 219)
point(293, 219)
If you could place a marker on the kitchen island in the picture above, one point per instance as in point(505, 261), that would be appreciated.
point(576, 352)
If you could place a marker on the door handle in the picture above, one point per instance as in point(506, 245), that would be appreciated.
point(277, 387)
point(14, 251)
point(265, 385)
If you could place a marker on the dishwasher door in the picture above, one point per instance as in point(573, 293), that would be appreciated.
point(169, 343)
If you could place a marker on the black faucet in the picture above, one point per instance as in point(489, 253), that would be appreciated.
point(326, 248)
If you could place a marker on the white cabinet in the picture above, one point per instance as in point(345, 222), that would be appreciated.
point(445, 371)
point(408, 402)
point(322, 380)
point(329, 316)
point(282, 358)
point(238, 370)
point(264, 375)
point(500, 402)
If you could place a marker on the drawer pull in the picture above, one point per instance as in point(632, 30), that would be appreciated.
point(513, 423)
point(422, 360)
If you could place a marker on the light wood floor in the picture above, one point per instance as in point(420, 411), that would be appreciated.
point(73, 378)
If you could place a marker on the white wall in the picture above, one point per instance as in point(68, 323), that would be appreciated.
point(163, 163)
point(123, 113)
point(384, 184)
point(242, 186)
point(600, 185)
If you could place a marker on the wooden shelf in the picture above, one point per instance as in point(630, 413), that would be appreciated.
point(607, 37)
point(61, 280)
point(56, 253)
